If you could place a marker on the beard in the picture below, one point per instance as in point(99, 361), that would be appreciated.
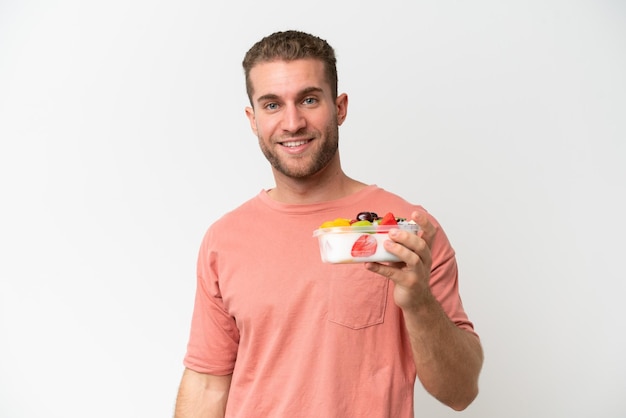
point(309, 164)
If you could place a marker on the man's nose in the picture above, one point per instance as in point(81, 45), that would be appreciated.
point(293, 119)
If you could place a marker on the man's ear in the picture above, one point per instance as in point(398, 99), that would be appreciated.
point(251, 119)
point(342, 107)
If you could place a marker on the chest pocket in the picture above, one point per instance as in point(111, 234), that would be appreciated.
point(357, 297)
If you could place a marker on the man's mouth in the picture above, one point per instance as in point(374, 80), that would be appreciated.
point(293, 144)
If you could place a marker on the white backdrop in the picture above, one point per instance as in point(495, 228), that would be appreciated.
point(123, 137)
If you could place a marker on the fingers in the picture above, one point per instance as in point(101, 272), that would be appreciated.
point(392, 271)
point(412, 249)
point(427, 229)
point(405, 245)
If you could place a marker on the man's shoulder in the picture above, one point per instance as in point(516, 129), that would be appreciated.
point(391, 198)
point(239, 214)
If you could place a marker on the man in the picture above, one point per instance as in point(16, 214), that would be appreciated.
point(276, 332)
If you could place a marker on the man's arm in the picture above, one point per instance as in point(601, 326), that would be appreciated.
point(202, 395)
point(448, 359)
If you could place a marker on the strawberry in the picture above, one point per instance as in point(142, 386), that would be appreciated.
point(364, 246)
point(388, 219)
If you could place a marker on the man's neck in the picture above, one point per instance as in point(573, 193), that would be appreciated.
point(314, 190)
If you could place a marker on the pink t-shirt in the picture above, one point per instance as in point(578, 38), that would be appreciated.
point(303, 338)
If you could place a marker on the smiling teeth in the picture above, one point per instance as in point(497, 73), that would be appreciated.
point(294, 143)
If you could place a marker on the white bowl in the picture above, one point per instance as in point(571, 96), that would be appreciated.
point(357, 244)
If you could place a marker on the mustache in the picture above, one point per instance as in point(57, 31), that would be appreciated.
point(298, 135)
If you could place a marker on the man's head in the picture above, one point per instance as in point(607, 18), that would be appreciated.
point(295, 110)
point(289, 46)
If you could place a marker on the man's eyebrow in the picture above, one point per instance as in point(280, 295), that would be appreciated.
point(304, 92)
point(310, 90)
point(267, 97)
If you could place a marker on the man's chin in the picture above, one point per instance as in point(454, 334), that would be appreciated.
point(297, 173)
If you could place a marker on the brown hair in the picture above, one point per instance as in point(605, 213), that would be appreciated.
point(288, 46)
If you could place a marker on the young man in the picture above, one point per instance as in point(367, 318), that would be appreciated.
point(276, 332)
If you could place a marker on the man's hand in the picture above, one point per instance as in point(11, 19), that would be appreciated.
point(412, 275)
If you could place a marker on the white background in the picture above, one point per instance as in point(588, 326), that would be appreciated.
point(123, 137)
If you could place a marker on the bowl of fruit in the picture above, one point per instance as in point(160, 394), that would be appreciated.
point(359, 239)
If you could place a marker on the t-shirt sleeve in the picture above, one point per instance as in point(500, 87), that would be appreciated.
point(214, 337)
point(444, 279)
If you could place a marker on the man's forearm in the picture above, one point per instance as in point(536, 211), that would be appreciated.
point(202, 395)
point(448, 359)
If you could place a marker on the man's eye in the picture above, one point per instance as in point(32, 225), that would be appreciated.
point(310, 100)
point(271, 106)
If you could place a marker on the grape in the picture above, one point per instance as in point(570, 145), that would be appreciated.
point(367, 216)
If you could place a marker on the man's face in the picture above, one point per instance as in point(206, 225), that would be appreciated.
point(294, 116)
